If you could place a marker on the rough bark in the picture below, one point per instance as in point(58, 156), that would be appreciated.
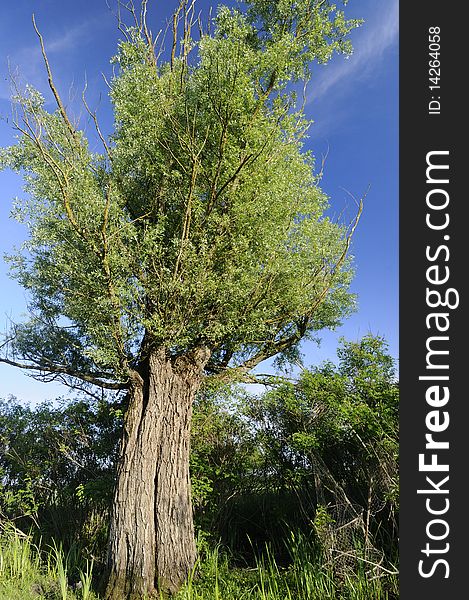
point(151, 540)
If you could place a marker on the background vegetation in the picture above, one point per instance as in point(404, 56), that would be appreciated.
point(295, 490)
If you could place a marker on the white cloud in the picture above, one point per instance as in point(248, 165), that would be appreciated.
point(27, 62)
point(376, 35)
point(71, 38)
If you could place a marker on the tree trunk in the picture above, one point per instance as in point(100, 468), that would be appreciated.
point(151, 539)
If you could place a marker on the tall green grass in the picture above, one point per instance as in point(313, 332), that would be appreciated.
point(308, 577)
point(29, 572)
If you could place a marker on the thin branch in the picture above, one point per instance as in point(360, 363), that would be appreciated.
point(95, 121)
point(230, 179)
point(353, 555)
point(57, 97)
point(129, 6)
point(176, 19)
point(117, 14)
point(237, 375)
point(187, 218)
point(113, 296)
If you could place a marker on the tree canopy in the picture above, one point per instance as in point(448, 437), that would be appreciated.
point(201, 222)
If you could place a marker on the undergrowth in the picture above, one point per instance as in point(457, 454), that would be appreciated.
point(29, 571)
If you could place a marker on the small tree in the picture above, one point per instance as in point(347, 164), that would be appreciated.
point(343, 420)
point(57, 466)
point(195, 245)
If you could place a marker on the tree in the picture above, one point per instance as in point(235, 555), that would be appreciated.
point(57, 467)
point(195, 245)
point(333, 436)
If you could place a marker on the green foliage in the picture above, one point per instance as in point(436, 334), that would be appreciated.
point(222, 449)
point(306, 578)
point(329, 439)
point(258, 463)
point(322, 519)
point(333, 437)
point(58, 449)
point(348, 409)
point(61, 570)
point(57, 465)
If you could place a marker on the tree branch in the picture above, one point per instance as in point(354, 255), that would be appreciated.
point(93, 379)
point(57, 97)
point(95, 121)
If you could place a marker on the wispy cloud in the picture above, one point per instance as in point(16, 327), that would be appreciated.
point(379, 32)
point(26, 63)
point(72, 36)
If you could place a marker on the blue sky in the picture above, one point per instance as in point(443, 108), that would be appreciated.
point(354, 105)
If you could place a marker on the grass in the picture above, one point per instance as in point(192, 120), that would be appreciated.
point(306, 578)
point(29, 572)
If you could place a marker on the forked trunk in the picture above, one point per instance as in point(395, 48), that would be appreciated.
point(151, 540)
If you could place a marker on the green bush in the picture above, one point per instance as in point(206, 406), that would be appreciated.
point(57, 469)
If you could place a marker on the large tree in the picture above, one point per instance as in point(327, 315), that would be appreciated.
point(195, 245)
